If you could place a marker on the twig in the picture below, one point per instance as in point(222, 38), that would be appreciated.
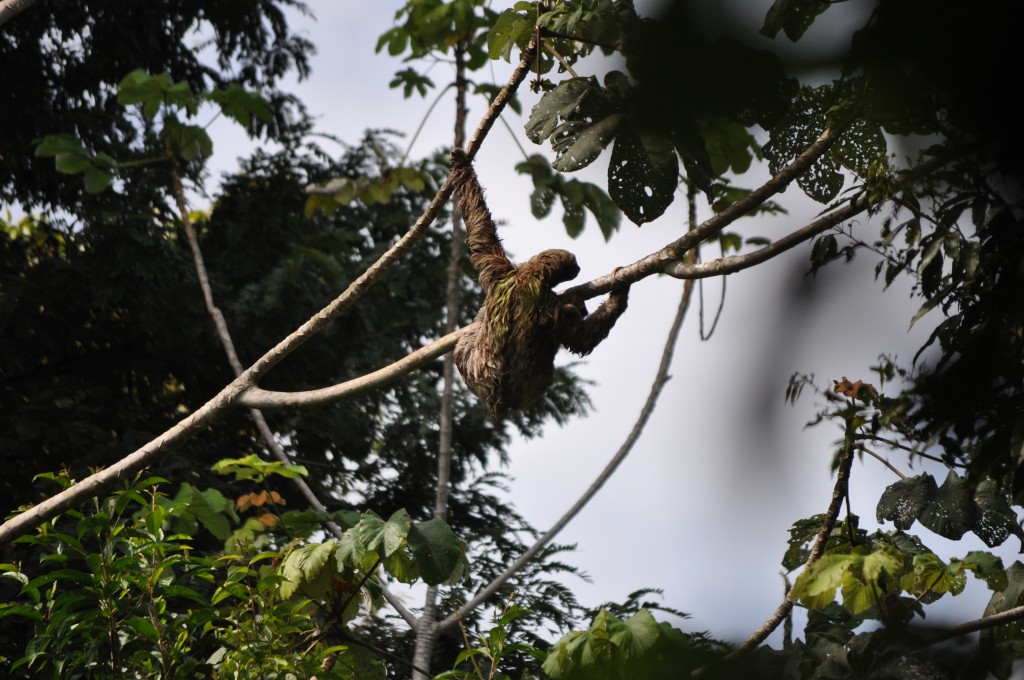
point(883, 461)
point(839, 492)
point(984, 623)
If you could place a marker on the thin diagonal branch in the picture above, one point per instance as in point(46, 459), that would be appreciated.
point(660, 379)
point(839, 493)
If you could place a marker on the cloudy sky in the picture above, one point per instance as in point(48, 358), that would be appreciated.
point(703, 505)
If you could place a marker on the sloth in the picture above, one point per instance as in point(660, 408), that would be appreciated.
point(507, 358)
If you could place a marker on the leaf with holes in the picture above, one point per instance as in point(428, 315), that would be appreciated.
point(643, 175)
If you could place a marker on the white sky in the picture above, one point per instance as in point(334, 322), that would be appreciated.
point(703, 505)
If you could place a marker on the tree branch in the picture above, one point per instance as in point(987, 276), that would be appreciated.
point(426, 626)
point(12, 8)
point(660, 379)
point(735, 263)
point(101, 481)
point(839, 492)
point(984, 623)
point(673, 253)
point(256, 397)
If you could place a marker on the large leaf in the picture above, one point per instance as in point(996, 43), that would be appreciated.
point(797, 131)
point(637, 634)
point(509, 30)
point(439, 554)
point(953, 512)
point(309, 569)
point(579, 120)
point(902, 502)
point(237, 102)
point(643, 174)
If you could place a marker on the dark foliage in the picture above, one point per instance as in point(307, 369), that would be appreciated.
point(62, 61)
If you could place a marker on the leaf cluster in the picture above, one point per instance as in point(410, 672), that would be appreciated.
point(118, 595)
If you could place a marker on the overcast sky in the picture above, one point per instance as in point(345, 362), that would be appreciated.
point(703, 505)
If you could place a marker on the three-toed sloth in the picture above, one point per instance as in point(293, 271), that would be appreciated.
point(508, 357)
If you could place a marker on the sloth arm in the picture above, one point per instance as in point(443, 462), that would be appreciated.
point(485, 249)
point(581, 334)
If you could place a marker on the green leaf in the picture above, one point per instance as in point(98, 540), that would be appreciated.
point(96, 180)
point(72, 163)
point(987, 567)
point(51, 145)
point(796, 132)
point(816, 586)
point(395, 531)
point(558, 106)
point(410, 80)
point(242, 105)
point(793, 17)
point(578, 149)
point(439, 554)
point(801, 534)
point(253, 468)
point(138, 87)
point(902, 502)
point(188, 142)
point(510, 29)
point(309, 569)
point(730, 146)
point(349, 552)
point(637, 634)
point(952, 512)
point(996, 520)
point(642, 175)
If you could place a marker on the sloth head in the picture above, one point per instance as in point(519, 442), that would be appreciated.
point(553, 266)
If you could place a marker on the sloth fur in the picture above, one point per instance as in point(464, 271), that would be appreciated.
point(507, 358)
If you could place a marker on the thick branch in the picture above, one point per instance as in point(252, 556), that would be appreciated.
point(256, 397)
point(672, 254)
point(735, 263)
point(99, 482)
point(12, 8)
point(984, 623)
point(660, 379)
